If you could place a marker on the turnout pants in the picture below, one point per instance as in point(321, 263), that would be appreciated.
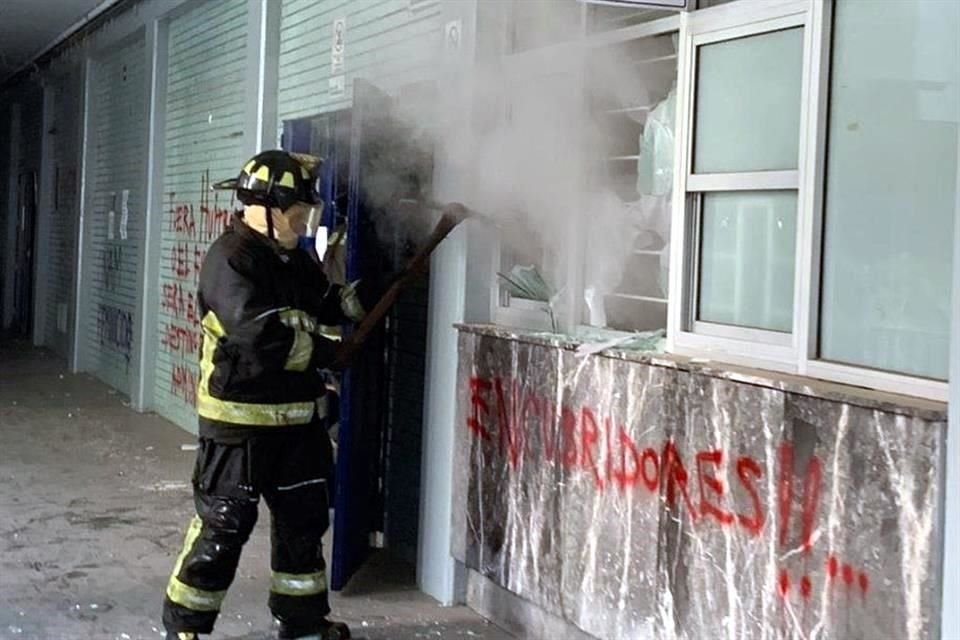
point(290, 471)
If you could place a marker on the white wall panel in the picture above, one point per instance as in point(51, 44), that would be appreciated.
point(59, 307)
point(113, 249)
point(203, 140)
point(391, 43)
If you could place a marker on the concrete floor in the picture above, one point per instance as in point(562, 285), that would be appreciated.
point(94, 499)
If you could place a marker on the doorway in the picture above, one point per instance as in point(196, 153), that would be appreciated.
point(377, 482)
point(24, 237)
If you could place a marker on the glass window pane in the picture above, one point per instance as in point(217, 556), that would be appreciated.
point(748, 240)
point(891, 186)
point(748, 103)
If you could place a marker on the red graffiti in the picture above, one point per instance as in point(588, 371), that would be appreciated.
point(183, 221)
point(215, 221)
point(508, 418)
point(589, 437)
point(811, 501)
point(509, 434)
point(478, 402)
point(214, 218)
point(179, 260)
point(848, 574)
point(850, 579)
point(675, 477)
point(505, 415)
point(181, 340)
point(748, 471)
point(812, 483)
point(785, 489)
point(183, 384)
point(650, 480)
point(199, 254)
point(180, 304)
point(783, 583)
point(711, 486)
point(621, 476)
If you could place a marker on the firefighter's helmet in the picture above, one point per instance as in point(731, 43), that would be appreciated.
point(277, 179)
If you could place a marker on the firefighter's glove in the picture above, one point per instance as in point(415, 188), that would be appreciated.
point(350, 302)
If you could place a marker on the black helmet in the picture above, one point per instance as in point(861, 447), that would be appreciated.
point(277, 179)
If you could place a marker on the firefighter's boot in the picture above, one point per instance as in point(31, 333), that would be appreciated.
point(330, 631)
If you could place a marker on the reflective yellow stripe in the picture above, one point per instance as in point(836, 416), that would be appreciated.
point(255, 415)
point(299, 584)
point(241, 413)
point(193, 532)
point(183, 594)
point(330, 333)
point(263, 173)
point(287, 180)
point(300, 320)
point(193, 598)
point(212, 332)
point(300, 352)
point(249, 167)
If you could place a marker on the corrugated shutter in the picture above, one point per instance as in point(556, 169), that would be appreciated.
point(66, 127)
point(204, 134)
point(407, 348)
point(391, 43)
point(114, 241)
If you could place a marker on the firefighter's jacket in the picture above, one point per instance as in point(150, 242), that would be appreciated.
point(261, 355)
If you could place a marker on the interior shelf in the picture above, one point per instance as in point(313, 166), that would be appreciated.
point(630, 296)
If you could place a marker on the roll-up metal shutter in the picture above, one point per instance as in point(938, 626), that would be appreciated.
point(59, 306)
point(204, 135)
point(114, 220)
point(391, 43)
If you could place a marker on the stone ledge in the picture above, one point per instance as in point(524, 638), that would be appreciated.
point(899, 404)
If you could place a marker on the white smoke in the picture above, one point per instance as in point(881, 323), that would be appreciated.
point(533, 152)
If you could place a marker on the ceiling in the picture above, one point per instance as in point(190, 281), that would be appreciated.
point(28, 26)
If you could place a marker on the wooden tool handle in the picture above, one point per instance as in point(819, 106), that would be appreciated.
point(453, 214)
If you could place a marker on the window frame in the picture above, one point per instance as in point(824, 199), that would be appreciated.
point(529, 64)
point(798, 353)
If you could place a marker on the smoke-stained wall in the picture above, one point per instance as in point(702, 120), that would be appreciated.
point(646, 498)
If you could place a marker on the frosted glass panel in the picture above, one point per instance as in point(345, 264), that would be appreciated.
point(747, 259)
point(748, 103)
point(891, 186)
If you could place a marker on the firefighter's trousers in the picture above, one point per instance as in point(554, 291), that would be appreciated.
point(290, 471)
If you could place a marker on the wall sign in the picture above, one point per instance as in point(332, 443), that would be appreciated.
point(337, 45)
point(453, 35)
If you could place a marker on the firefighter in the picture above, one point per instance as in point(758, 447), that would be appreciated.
point(261, 406)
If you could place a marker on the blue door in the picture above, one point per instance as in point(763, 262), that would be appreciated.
point(369, 167)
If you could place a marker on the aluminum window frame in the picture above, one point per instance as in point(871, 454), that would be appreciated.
point(798, 351)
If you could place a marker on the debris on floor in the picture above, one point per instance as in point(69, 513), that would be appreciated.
point(88, 535)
